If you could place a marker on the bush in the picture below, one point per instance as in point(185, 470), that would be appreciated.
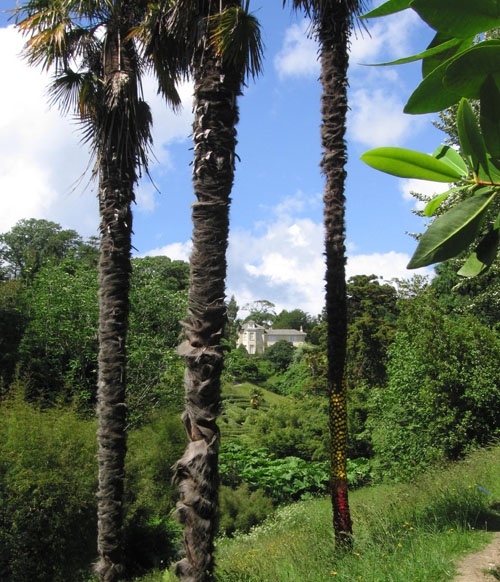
point(47, 495)
point(152, 535)
point(241, 509)
point(443, 392)
point(294, 428)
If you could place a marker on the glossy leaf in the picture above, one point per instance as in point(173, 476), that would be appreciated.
point(443, 47)
point(453, 232)
point(459, 18)
point(410, 164)
point(467, 72)
point(432, 95)
point(434, 204)
point(390, 7)
point(440, 41)
point(490, 116)
point(482, 258)
point(471, 140)
point(450, 156)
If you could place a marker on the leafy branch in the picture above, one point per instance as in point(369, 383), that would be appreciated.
point(457, 66)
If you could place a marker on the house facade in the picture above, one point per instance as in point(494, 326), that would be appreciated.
point(257, 339)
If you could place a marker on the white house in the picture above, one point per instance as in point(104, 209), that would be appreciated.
point(258, 339)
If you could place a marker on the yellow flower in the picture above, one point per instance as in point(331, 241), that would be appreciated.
point(333, 573)
point(400, 545)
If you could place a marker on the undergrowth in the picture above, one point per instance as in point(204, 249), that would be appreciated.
point(402, 532)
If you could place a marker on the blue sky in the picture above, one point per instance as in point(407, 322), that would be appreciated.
point(276, 241)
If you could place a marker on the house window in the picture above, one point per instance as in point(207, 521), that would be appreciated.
point(252, 336)
point(251, 350)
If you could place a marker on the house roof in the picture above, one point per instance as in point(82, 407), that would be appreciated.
point(285, 332)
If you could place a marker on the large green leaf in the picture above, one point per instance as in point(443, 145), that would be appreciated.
point(470, 69)
point(482, 258)
point(459, 18)
point(389, 7)
point(409, 164)
point(490, 116)
point(471, 140)
point(432, 95)
point(453, 232)
point(450, 156)
point(443, 47)
point(451, 47)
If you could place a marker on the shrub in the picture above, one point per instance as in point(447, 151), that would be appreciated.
point(241, 509)
point(47, 494)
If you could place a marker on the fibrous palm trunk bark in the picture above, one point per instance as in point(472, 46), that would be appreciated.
point(196, 473)
point(117, 176)
point(333, 34)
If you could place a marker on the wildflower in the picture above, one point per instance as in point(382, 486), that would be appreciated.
point(400, 545)
point(333, 573)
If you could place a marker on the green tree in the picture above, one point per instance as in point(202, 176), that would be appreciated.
point(443, 391)
point(332, 22)
point(12, 324)
point(31, 243)
point(280, 354)
point(97, 69)
point(58, 351)
point(261, 311)
point(295, 319)
point(221, 47)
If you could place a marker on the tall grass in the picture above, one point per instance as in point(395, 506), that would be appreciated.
point(403, 533)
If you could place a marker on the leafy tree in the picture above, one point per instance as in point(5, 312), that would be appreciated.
point(295, 319)
point(455, 68)
point(231, 331)
point(332, 22)
point(97, 69)
point(280, 354)
point(372, 314)
point(58, 351)
point(443, 390)
point(261, 311)
point(31, 243)
point(12, 323)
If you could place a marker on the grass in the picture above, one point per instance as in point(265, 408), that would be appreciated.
point(403, 533)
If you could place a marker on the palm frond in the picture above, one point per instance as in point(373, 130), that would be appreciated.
point(236, 37)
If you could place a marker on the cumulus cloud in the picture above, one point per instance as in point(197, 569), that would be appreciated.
point(298, 56)
point(44, 167)
point(282, 260)
point(377, 119)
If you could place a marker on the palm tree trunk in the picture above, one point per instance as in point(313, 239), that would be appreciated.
point(117, 175)
point(196, 473)
point(333, 36)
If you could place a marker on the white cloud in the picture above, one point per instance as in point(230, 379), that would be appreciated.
point(178, 251)
point(377, 119)
point(298, 56)
point(391, 265)
point(282, 260)
point(41, 158)
point(387, 38)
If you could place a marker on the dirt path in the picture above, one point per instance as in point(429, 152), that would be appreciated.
point(474, 568)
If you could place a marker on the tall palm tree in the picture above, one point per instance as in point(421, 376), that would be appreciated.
point(87, 45)
point(332, 22)
point(221, 47)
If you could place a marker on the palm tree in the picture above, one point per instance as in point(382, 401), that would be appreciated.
point(222, 46)
point(332, 22)
point(97, 70)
